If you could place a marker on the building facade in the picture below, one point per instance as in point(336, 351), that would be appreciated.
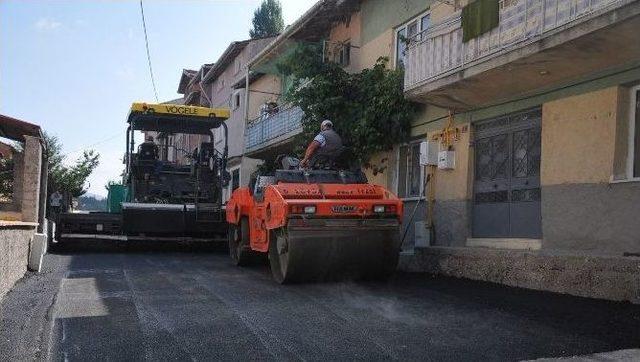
point(226, 85)
point(534, 124)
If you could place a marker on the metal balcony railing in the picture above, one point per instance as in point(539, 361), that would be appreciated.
point(439, 50)
point(282, 125)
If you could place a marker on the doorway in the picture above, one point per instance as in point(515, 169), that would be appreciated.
point(506, 200)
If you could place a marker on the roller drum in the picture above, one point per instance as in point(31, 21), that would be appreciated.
point(328, 249)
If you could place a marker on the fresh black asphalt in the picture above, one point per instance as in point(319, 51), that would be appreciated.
point(197, 306)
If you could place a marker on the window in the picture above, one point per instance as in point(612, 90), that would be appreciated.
point(410, 173)
point(401, 47)
point(633, 160)
point(236, 101)
point(343, 57)
point(238, 65)
point(235, 179)
point(425, 21)
point(407, 32)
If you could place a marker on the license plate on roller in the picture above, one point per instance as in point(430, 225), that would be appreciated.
point(341, 209)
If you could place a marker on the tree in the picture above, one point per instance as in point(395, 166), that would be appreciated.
point(7, 172)
point(6, 178)
point(368, 109)
point(92, 203)
point(68, 180)
point(267, 20)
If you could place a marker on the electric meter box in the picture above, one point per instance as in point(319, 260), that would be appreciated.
point(428, 153)
point(446, 160)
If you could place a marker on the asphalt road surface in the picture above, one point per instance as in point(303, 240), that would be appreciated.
point(197, 306)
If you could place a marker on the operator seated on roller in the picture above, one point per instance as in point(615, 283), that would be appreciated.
point(324, 148)
point(148, 150)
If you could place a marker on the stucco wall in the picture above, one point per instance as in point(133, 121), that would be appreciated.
point(381, 46)
point(349, 31)
point(578, 138)
point(249, 166)
point(222, 95)
point(267, 83)
point(379, 16)
point(14, 255)
point(379, 20)
point(581, 210)
point(453, 184)
point(441, 11)
point(235, 126)
point(378, 161)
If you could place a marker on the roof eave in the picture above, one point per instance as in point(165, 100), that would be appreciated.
point(232, 51)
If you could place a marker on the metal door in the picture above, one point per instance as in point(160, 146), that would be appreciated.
point(506, 200)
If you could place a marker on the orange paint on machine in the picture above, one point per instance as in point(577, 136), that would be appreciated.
point(316, 225)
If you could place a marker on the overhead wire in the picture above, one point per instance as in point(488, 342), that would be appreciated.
point(146, 42)
point(84, 148)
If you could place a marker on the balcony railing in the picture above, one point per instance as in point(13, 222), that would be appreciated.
point(265, 130)
point(439, 50)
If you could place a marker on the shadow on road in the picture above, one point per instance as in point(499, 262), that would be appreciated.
point(114, 246)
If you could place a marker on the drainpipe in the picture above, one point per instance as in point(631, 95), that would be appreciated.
point(246, 112)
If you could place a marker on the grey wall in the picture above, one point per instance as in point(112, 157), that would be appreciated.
point(602, 218)
point(451, 222)
point(14, 255)
point(615, 278)
point(421, 211)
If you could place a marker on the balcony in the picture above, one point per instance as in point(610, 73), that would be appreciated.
point(538, 44)
point(269, 133)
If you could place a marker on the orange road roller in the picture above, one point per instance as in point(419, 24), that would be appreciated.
point(316, 225)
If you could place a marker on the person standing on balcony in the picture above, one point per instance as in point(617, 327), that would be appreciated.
point(326, 146)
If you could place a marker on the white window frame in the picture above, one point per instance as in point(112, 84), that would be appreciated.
point(397, 178)
point(404, 25)
point(632, 133)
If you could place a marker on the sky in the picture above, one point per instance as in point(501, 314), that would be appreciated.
point(74, 67)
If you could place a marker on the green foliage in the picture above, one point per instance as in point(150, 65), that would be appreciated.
point(91, 203)
point(267, 20)
point(368, 109)
point(66, 179)
point(6, 179)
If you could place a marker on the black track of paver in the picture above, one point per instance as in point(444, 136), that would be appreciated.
point(181, 306)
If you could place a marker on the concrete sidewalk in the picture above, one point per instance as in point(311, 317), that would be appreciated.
point(625, 355)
